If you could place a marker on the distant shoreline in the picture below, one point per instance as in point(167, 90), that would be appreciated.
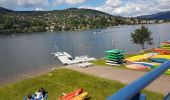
point(76, 30)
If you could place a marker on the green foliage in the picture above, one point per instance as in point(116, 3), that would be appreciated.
point(60, 20)
point(142, 36)
point(64, 81)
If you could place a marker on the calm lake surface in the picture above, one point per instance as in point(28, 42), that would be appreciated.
point(33, 51)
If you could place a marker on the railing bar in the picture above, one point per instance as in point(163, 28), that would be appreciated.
point(132, 89)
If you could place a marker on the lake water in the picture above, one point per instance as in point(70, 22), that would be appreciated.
point(32, 51)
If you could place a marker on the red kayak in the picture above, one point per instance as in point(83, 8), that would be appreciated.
point(161, 51)
point(165, 42)
point(71, 94)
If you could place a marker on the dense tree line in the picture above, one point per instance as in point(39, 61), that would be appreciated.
point(69, 19)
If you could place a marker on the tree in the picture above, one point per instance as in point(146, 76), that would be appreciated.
point(142, 36)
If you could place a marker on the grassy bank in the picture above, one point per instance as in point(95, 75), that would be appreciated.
point(65, 80)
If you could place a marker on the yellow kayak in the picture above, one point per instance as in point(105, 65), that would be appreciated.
point(80, 96)
point(162, 56)
point(138, 58)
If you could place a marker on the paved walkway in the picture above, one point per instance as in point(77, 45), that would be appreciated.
point(160, 85)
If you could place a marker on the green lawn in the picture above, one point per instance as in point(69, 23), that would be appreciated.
point(65, 80)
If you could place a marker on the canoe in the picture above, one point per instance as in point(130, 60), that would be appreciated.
point(115, 51)
point(166, 48)
point(80, 96)
point(162, 56)
point(112, 64)
point(159, 60)
point(165, 45)
point(114, 57)
point(138, 58)
point(71, 94)
point(117, 55)
point(114, 60)
point(145, 64)
point(165, 42)
point(137, 67)
point(162, 51)
point(109, 61)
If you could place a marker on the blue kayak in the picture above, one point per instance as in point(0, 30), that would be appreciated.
point(159, 60)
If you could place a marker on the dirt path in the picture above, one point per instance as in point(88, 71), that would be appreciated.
point(160, 85)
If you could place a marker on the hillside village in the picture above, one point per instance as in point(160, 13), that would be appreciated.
point(62, 20)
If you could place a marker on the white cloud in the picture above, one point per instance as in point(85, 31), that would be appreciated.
point(118, 7)
point(24, 3)
point(39, 9)
point(135, 8)
point(58, 2)
point(113, 3)
point(29, 3)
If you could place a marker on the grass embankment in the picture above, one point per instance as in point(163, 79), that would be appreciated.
point(65, 80)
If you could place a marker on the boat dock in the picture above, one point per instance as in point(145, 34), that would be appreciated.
point(66, 59)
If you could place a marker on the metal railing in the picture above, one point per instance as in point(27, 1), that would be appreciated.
point(133, 90)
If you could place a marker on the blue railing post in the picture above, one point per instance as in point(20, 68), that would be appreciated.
point(167, 97)
point(132, 91)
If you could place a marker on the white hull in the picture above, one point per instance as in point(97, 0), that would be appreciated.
point(66, 58)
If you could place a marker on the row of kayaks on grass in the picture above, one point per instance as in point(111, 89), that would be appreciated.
point(78, 94)
point(139, 57)
point(145, 66)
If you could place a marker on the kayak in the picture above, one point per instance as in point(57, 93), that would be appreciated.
point(80, 96)
point(159, 60)
point(137, 67)
point(114, 57)
point(165, 42)
point(162, 51)
point(71, 94)
point(109, 61)
point(139, 58)
point(115, 51)
point(166, 47)
point(115, 60)
point(146, 64)
point(162, 56)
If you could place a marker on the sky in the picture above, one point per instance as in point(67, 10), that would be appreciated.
point(127, 8)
